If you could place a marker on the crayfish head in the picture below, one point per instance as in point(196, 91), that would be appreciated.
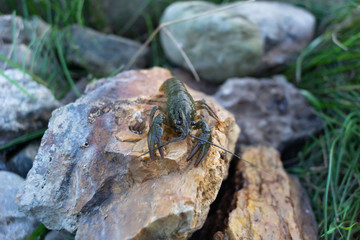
point(182, 123)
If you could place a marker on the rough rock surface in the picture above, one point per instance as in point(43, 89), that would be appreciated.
point(270, 112)
point(271, 204)
point(285, 30)
point(220, 45)
point(20, 113)
point(14, 225)
point(22, 162)
point(98, 53)
point(86, 178)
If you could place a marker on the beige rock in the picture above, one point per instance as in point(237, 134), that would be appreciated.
point(86, 177)
point(271, 204)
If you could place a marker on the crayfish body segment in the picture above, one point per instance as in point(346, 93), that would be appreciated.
point(180, 115)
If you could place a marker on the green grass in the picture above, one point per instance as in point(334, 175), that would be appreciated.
point(327, 71)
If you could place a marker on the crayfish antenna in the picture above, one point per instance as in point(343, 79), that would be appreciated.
point(237, 156)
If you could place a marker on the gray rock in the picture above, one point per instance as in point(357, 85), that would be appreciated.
point(13, 224)
point(22, 162)
point(270, 112)
point(285, 29)
point(25, 43)
point(2, 162)
point(21, 114)
point(123, 17)
point(120, 17)
point(56, 235)
point(220, 45)
point(22, 31)
point(86, 177)
point(99, 53)
point(17, 53)
point(71, 95)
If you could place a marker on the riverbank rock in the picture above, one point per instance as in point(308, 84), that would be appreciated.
point(270, 111)
point(99, 53)
point(285, 29)
point(271, 204)
point(86, 177)
point(219, 45)
point(21, 113)
point(14, 224)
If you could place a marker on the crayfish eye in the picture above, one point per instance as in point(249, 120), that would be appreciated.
point(193, 123)
point(178, 122)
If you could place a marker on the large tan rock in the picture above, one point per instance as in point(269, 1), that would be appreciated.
point(86, 177)
point(271, 204)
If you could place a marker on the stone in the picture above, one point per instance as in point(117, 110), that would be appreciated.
point(285, 29)
point(14, 224)
point(17, 53)
point(20, 113)
point(26, 31)
point(2, 164)
point(87, 177)
point(220, 45)
point(22, 162)
point(98, 53)
point(270, 111)
point(25, 43)
point(71, 95)
point(187, 78)
point(130, 18)
point(271, 204)
point(121, 17)
point(56, 235)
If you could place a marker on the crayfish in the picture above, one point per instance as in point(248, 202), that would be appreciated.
point(180, 115)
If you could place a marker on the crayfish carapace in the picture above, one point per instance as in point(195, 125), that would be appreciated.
point(180, 115)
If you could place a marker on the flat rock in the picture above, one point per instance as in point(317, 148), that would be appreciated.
point(285, 29)
point(14, 225)
point(220, 45)
point(20, 113)
point(86, 177)
point(270, 111)
point(99, 53)
point(271, 204)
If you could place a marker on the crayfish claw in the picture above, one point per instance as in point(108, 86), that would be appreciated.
point(204, 151)
point(193, 152)
point(201, 146)
point(155, 135)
